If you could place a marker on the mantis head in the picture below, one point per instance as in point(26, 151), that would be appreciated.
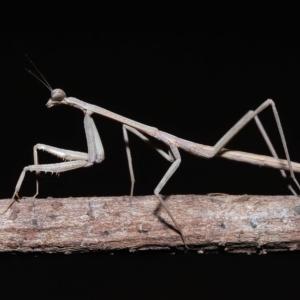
point(57, 97)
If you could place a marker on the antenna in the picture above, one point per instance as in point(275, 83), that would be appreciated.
point(46, 84)
point(41, 79)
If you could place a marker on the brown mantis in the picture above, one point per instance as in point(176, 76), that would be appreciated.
point(95, 153)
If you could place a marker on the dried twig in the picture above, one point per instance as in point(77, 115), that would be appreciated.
point(231, 223)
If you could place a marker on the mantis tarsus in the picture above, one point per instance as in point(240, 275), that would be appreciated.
point(95, 153)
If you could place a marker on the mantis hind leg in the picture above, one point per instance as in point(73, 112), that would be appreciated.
point(272, 149)
point(253, 114)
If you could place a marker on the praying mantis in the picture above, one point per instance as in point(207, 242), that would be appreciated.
point(95, 150)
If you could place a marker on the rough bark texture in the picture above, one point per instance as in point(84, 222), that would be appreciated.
point(211, 223)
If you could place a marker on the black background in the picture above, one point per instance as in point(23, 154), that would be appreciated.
point(192, 78)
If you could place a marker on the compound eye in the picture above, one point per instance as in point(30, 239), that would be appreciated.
point(58, 95)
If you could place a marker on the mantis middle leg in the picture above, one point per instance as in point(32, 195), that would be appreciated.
point(173, 156)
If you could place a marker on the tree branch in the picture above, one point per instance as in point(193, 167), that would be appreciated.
point(211, 223)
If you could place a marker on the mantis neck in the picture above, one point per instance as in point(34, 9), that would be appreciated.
point(90, 108)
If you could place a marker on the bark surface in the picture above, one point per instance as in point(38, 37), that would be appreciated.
point(211, 223)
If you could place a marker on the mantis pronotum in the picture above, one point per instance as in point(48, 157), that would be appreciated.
point(95, 153)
